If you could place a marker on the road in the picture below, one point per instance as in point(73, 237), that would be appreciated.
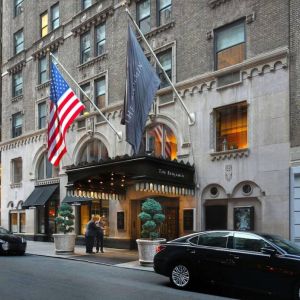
point(34, 278)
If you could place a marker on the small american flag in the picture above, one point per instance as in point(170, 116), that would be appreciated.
point(64, 108)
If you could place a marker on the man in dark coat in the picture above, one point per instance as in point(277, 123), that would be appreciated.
point(90, 234)
point(99, 236)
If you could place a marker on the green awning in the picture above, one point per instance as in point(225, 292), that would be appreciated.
point(76, 199)
point(40, 195)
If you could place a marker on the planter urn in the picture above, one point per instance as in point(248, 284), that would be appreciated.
point(64, 243)
point(147, 250)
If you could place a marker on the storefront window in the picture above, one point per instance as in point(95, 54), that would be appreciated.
point(41, 219)
point(13, 222)
point(85, 217)
point(52, 215)
point(22, 222)
point(161, 141)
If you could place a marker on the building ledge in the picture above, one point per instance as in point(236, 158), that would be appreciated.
point(92, 61)
point(236, 153)
point(17, 98)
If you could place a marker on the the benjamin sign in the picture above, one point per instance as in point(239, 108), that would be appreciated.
point(170, 173)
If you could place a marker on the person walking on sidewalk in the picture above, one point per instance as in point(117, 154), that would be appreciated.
point(90, 234)
point(99, 235)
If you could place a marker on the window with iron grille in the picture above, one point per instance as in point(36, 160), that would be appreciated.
point(230, 45)
point(232, 127)
point(19, 41)
point(143, 15)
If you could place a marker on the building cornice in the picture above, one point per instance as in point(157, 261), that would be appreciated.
point(20, 141)
point(17, 67)
point(86, 24)
point(47, 45)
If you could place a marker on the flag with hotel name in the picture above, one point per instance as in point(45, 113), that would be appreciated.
point(64, 108)
point(142, 83)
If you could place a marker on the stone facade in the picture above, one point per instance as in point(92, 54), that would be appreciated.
point(263, 84)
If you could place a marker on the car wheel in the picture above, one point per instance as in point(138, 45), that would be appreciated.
point(181, 276)
point(296, 295)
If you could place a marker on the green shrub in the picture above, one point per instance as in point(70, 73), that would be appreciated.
point(65, 219)
point(151, 217)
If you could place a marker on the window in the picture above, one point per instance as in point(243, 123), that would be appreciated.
point(45, 169)
point(160, 141)
point(16, 170)
point(44, 24)
point(55, 53)
point(164, 11)
point(55, 16)
point(13, 218)
point(43, 73)
point(230, 45)
point(214, 239)
point(248, 242)
point(231, 127)
point(143, 15)
point(22, 222)
point(42, 115)
point(17, 121)
point(17, 84)
point(165, 58)
point(87, 89)
point(18, 7)
point(188, 219)
point(100, 89)
point(41, 219)
point(100, 39)
point(93, 151)
point(85, 46)
point(86, 3)
point(19, 41)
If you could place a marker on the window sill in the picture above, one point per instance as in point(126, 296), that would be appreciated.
point(16, 185)
point(42, 85)
point(159, 29)
point(17, 98)
point(92, 61)
point(236, 153)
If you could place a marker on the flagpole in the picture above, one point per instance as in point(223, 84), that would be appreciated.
point(191, 116)
point(118, 133)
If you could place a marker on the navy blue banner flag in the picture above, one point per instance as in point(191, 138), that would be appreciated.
point(142, 83)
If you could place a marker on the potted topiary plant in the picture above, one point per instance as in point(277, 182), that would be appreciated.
point(65, 241)
point(151, 218)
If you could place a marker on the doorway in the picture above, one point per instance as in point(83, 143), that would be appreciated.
point(216, 217)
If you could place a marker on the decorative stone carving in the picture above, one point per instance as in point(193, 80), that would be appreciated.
point(237, 153)
point(228, 172)
point(17, 67)
point(214, 3)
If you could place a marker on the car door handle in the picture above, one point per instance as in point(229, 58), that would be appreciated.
point(235, 257)
point(192, 251)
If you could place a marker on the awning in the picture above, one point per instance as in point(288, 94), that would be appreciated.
point(75, 199)
point(40, 195)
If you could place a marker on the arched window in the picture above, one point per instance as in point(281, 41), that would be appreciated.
point(160, 141)
point(45, 169)
point(93, 150)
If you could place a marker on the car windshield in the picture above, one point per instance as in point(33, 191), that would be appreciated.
point(3, 231)
point(288, 246)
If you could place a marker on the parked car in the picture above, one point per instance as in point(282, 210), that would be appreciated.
point(11, 243)
point(258, 262)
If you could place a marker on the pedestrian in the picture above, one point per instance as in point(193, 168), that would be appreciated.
point(90, 234)
point(99, 235)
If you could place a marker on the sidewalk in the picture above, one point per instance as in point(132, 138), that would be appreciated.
point(112, 257)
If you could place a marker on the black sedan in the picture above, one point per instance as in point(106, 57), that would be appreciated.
point(258, 262)
point(11, 243)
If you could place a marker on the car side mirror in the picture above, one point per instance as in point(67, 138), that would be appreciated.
point(269, 251)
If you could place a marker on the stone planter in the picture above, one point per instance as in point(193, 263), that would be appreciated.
point(147, 250)
point(64, 243)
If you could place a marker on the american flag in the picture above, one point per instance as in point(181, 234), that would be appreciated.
point(64, 108)
point(159, 131)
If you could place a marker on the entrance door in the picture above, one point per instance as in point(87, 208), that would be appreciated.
point(216, 217)
point(169, 229)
